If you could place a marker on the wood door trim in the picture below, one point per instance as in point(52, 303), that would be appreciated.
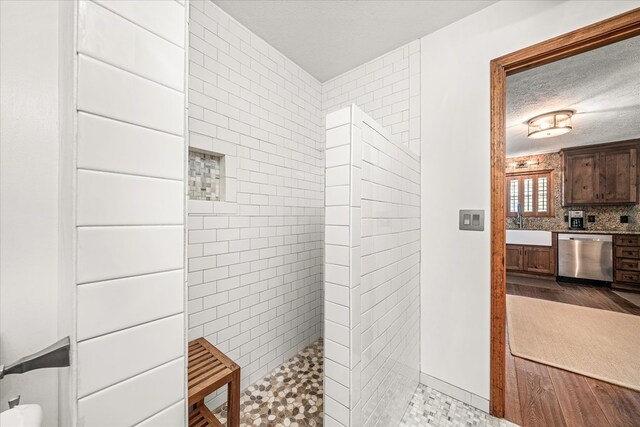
point(602, 33)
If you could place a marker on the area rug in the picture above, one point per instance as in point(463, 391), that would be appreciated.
point(633, 298)
point(596, 343)
point(535, 282)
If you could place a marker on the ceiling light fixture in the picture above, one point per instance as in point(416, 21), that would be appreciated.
point(552, 124)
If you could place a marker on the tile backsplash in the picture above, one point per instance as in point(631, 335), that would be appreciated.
point(607, 217)
point(204, 176)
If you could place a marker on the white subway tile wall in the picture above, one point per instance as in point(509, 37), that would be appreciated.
point(343, 171)
point(387, 89)
point(129, 213)
point(390, 269)
point(254, 270)
point(255, 266)
point(372, 275)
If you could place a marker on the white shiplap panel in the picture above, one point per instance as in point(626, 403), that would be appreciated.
point(114, 146)
point(114, 252)
point(129, 298)
point(109, 91)
point(117, 41)
point(165, 18)
point(114, 199)
point(130, 213)
point(133, 400)
point(173, 416)
point(111, 358)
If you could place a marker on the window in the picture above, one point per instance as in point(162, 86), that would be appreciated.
point(532, 192)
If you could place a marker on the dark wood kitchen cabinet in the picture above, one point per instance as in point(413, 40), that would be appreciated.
point(514, 257)
point(581, 178)
point(626, 255)
point(538, 260)
point(603, 174)
point(618, 176)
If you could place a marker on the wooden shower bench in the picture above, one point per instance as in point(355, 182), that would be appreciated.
point(208, 370)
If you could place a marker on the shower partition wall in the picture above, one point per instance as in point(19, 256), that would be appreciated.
point(372, 252)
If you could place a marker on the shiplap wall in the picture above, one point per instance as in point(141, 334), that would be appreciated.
point(129, 213)
point(372, 272)
point(255, 258)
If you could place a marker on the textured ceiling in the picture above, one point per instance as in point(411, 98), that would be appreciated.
point(328, 38)
point(602, 86)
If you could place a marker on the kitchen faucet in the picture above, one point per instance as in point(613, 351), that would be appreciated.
point(519, 216)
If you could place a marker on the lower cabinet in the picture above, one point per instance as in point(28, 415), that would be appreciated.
point(540, 259)
point(627, 262)
point(531, 259)
point(515, 257)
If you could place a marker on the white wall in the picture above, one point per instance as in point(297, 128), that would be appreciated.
point(455, 288)
point(255, 258)
point(29, 197)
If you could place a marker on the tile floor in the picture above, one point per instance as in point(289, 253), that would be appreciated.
point(429, 407)
point(291, 396)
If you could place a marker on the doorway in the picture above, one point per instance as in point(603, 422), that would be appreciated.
point(603, 33)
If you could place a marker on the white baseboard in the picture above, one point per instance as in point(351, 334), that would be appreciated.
point(462, 395)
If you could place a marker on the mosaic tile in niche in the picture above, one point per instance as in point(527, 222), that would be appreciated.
point(204, 176)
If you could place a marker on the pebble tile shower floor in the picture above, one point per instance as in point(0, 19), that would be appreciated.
point(292, 394)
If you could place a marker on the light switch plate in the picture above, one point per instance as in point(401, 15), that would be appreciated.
point(472, 220)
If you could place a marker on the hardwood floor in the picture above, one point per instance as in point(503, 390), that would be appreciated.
point(541, 395)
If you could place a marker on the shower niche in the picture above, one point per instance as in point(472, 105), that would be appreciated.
point(212, 178)
point(204, 175)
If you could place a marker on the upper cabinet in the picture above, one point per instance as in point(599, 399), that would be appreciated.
point(619, 176)
point(605, 174)
point(581, 178)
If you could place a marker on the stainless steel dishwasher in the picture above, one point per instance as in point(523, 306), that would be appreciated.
point(586, 256)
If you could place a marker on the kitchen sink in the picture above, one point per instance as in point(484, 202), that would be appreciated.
point(529, 237)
